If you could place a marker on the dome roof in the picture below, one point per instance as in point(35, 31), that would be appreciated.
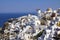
point(49, 9)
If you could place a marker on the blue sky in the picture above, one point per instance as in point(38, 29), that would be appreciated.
point(17, 6)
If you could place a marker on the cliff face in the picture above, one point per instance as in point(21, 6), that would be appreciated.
point(0, 28)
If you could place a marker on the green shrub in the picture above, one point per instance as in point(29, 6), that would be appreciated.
point(38, 35)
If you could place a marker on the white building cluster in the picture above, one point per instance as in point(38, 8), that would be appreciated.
point(29, 26)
